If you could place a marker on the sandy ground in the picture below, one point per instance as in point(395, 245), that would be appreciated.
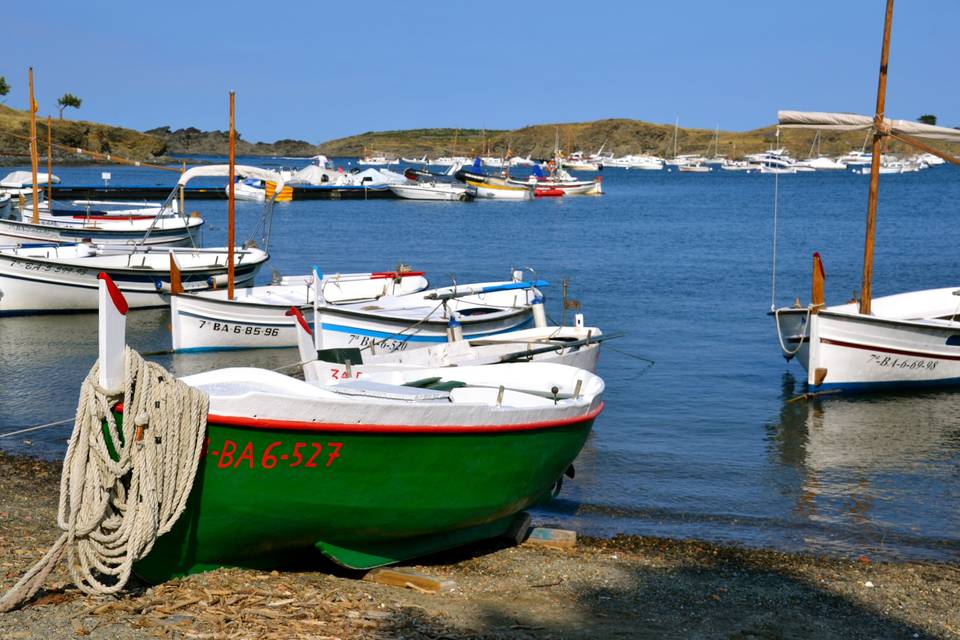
point(626, 587)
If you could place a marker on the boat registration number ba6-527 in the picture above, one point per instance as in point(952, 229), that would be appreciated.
point(242, 329)
point(309, 455)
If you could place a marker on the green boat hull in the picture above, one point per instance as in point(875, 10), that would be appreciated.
point(268, 497)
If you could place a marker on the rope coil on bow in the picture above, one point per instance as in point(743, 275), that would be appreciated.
point(123, 485)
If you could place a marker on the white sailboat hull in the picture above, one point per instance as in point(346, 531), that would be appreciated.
point(484, 351)
point(170, 232)
point(911, 340)
point(56, 279)
point(256, 318)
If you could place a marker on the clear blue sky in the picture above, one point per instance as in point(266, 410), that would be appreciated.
point(319, 70)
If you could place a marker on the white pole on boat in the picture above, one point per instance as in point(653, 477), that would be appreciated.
point(454, 328)
point(112, 324)
point(539, 314)
point(317, 325)
point(880, 131)
point(230, 205)
point(33, 150)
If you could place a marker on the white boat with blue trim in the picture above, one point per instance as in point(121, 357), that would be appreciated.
point(256, 316)
point(399, 323)
point(577, 346)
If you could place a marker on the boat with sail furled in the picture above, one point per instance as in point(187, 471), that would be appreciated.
point(891, 342)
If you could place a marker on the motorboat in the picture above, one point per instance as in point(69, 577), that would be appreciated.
point(822, 163)
point(559, 179)
point(423, 190)
point(498, 189)
point(251, 189)
point(17, 183)
point(697, 167)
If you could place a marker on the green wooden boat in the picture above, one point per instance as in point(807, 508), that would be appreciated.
point(369, 471)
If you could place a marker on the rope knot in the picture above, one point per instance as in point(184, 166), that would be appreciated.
point(881, 126)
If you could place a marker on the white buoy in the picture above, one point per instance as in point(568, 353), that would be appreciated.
point(112, 334)
point(317, 325)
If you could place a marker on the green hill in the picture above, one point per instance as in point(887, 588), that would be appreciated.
point(621, 136)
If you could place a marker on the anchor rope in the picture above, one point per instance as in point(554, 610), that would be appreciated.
point(122, 485)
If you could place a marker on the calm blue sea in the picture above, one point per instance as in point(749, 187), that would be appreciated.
point(702, 444)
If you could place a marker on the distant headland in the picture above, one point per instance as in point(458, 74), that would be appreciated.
point(619, 135)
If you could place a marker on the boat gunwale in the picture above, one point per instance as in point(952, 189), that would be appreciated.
point(272, 424)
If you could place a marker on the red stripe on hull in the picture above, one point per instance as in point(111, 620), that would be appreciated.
point(289, 425)
point(899, 352)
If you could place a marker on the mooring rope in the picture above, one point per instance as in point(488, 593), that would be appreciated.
point(783, 347)
point(122, 486)
point(773, 268)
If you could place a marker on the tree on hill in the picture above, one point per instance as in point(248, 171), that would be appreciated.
point(4, 87)
point(68, 100)
point(927, 119)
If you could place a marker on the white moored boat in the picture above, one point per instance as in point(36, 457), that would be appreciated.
point(420, 319)
point(430, 191)
point(20, 183)
point(52, 278)
point(892, 342)
point(251, 189)
point(102, 223)
point(498, 189)
point(256, 317)
point(558, 178)
point(576, 346)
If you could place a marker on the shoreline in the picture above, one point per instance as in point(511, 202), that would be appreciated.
point(625, 586)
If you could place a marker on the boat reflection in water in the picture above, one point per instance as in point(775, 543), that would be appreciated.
point(874, 473)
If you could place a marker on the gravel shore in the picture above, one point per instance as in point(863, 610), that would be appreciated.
point(625, 587)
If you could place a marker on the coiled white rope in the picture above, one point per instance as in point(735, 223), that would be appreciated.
point(783, 347)
point(111, 510)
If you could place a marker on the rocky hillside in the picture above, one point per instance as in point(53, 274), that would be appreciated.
point(621, 136)
point(196, 142)
point(74, 133)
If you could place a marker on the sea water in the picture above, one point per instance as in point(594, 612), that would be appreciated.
point(702, 443)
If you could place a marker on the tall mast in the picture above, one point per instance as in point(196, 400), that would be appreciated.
point(878, 136)
point(230, 206)
point(676, 127)
point(33, 151)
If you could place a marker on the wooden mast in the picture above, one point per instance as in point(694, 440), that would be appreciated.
point(33, 151)
point(880, 132)
point(230, 206)
point(50, 163)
